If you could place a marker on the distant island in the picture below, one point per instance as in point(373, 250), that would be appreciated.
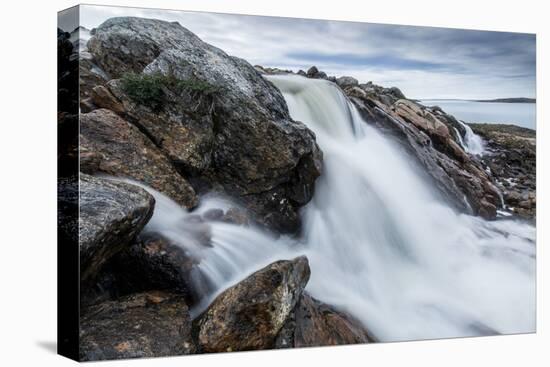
point(508, 100)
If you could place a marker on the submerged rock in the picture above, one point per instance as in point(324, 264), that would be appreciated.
point(249, 315)
point(223, 125)
point(111, 215)
point(151, 324)
point(111, 145)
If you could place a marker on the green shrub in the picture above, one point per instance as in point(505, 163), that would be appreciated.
point(149, 89)
point(145, 89)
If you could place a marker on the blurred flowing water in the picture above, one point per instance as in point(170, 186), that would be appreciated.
point(381, 245)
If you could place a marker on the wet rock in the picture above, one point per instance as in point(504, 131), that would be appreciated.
point(513, 198)
point(213, 214)
point(249, 315)
point(111, 215)
point(237, 216)
point(238, 139)
point(151, 324)
point(318, 324)
point(487, 210)
point(111, 145)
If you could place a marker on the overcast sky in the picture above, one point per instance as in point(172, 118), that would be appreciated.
point(423, 62)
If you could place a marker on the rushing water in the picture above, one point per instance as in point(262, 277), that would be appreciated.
point(472, 143)
point(521, 114)
point(381, 245)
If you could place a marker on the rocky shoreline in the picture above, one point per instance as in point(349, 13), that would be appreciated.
point(162, 108)
point(511, 158)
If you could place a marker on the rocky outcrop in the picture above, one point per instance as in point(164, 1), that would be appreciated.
point(112, 146)
point(151, 324)
point(111, 215)
point(221, 124)
point(249, 315)
point(151, 262)
point(511, 159)
point(314, 323)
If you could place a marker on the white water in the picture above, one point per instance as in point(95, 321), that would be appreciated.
point(472, 142)
point(380, 244)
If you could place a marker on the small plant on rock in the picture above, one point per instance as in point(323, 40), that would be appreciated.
point(150, 89)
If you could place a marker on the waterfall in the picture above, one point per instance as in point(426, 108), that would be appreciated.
point(472, 142)
point(381, 245)
point(460, 140)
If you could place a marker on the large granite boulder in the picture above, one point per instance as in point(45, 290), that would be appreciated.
point(150, 324)
point(111, 215)
point(249, 315)
point(223, 125)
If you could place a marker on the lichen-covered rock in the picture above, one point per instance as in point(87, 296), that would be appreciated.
point(111, 215)
point(239, 139)
point(151, 324)
point(111, 145)
point(249, 315)
point(314, 323)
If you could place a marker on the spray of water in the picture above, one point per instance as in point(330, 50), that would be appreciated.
point(381, 245)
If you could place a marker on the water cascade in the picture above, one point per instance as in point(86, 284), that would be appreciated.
point(381, 245)
point(472, 142)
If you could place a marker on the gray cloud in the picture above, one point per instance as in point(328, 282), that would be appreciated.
point(425, 62)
